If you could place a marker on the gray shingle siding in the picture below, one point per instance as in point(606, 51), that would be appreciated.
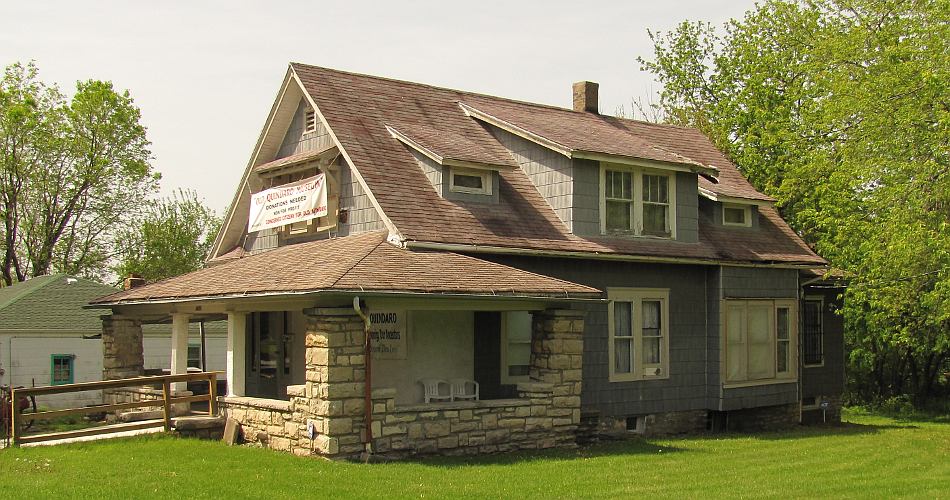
point(687, 207)
point(828, 379)
point(296, 141)
point(755, 282)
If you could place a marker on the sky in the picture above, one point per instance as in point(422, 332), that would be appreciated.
point(205, 73)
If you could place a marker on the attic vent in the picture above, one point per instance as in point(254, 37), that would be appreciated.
point(309, 121)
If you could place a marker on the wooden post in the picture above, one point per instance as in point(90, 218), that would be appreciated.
point(213, 395)
point(166, 405)
point(14, 418)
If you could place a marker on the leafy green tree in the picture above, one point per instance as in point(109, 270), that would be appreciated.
point(72, 172)
point(841, 110)
point(173, 237)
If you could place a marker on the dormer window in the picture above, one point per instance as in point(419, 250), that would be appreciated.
point(470, 181)
point(637, 201)
point(309, 121)
point(736, 215)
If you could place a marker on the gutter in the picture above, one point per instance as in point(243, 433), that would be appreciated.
point(472, 248)
point(367, 384)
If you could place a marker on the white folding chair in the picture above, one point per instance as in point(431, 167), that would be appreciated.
point(433, 390)
point(463, 388)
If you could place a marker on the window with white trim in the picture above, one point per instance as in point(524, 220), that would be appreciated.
point(759, 340)
point(515, 346)
point(638, 319)
point(470, 181)
point(736, 215)
point(637, 201)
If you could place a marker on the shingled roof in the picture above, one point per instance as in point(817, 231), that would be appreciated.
point(359, 264)
point(363, 110)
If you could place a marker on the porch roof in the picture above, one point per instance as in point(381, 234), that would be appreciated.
point(358, 264)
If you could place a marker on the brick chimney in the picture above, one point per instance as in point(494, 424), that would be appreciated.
point(132, 281)
point(585, 97)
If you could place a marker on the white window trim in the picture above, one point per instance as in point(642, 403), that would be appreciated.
point(747, 210)
point(505, 377)
point(637, 296)
point(821, 310)
point(777, 378)
point(637, 217)
point(486, 176)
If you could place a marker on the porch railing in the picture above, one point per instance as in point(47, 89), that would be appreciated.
point(166, 402)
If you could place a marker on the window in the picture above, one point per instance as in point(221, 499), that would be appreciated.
point(61, 369)
point(812, 333)
point(470, 181)
point(759, 335)
point(737, 215)
point(639, 333)
point(194, 355)
point(309, 121)
point(637, 201)
point(515, 347)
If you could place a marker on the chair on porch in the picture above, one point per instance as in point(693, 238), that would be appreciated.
point(434, 391)
point(464, 389)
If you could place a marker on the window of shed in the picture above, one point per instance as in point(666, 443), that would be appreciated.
point(61, 369)
point(469, 181)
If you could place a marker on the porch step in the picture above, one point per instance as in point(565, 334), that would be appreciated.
point(198, 422)
point(138, 416)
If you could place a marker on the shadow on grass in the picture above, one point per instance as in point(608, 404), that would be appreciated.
point(842, 429)
point(628, 447)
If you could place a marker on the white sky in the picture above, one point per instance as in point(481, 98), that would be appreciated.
point(206, 73)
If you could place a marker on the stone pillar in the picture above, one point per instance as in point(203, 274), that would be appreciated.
point(121, 353)
point(179, 355)
point(236, 360)
point(336, 378)
point(121, 347)
point(557, 349)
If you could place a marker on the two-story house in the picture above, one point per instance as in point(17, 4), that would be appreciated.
point(407, 269)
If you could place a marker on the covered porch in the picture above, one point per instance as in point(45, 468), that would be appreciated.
point(338, 370)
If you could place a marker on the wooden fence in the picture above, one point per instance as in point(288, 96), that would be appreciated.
point(166, 402)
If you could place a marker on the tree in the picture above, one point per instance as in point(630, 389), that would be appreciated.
point(71, 173)
point(173, 237)
point(841, 110)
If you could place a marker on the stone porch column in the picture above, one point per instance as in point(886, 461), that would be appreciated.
point(336, 378)
point(122, 353)
point(557, 349)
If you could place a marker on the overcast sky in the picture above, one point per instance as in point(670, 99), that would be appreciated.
point(206, 73)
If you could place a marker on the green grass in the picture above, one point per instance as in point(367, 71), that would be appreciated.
point(870, 456)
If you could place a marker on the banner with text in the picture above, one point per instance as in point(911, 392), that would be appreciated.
point(387, 331)
point(295, 202)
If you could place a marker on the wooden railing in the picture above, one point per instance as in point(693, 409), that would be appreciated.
point(166, 402)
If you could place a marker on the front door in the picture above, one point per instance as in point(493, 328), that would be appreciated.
point(270, 354)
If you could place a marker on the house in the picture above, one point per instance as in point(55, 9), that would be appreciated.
point(592, 274)
point(48, 338)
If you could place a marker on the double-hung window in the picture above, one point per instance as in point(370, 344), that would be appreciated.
point(759, 340)
point(639, 333)
point(637, 201)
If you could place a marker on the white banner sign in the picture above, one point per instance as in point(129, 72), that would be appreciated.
point(387, 329)
point(295, 202)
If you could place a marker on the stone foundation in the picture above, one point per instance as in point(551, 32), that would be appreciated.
point(650, 425)
point(817, 416)
point(326, 417)
point(766, 418)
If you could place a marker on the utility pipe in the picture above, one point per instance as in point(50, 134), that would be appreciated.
point(368, 383)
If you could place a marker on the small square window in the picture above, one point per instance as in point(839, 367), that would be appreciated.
point(61, 369)
point(737, 215)
point(470, 181)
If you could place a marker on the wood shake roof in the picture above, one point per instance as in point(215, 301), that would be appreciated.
point(362, 263)
point(359, 108)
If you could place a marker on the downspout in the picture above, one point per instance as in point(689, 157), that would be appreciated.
point(368, 384)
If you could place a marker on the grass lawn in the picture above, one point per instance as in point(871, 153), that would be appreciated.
point(871, 456)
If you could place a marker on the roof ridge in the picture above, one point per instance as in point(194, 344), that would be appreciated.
point(449, 89)
point(47, 279)
point(360, 260)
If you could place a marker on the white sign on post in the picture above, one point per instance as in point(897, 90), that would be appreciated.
point(295, 202)
point(387, 332)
